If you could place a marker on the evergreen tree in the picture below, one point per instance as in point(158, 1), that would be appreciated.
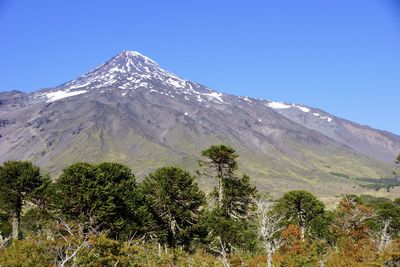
point(176, 204)
point(222, 162)
point(18, 182)
point(226, 233)
point(96, 195)
point(238, 201)
point(234, 195)
point(228, 223)
point(397, 169)
point(303, 209)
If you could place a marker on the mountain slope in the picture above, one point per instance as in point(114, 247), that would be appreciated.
point(131, 110)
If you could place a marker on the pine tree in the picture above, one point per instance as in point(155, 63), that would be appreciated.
point(18, 182)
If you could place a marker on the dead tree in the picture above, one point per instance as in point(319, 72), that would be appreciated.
point(269, 228)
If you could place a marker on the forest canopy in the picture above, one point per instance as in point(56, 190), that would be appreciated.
point(100, 215)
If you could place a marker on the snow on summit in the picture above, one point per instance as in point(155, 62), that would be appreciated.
point(130, 72)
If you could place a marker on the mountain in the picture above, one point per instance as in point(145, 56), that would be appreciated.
point(132, 111)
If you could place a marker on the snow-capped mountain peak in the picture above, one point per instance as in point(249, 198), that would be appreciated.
point(136, 55)
point(130, 107)
point(128, 72)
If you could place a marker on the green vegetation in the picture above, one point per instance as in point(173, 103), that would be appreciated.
point(99, 215)
point(176, 206)
point(18, 182)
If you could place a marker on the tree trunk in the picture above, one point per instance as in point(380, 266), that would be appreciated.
point(15, 224)
point(220, 192)
point(269, 258)
point(302, 230)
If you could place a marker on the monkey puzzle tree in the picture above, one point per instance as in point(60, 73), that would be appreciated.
point(234, 195)
point(301, 208)
point(96, 195)
point(18, 182)
point(228, 225)
point(176, 204)
point(397, 162)
point(221, 161)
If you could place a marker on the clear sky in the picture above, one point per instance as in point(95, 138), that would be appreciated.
point(342, 56)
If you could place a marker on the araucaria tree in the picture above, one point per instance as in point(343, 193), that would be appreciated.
point(301, 208)
point(176, 204)
point(222, 163)
point(397, 168)
point(18, 182)
point(228, 221)
point(97, 195)
point(234, 195)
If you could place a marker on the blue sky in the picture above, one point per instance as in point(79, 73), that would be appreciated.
point(342, 56)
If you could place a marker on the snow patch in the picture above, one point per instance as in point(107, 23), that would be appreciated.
point(215, 96)
point(57, 95)
point(278, 105)
point(246, 98)
point(175, 83)
point(304, 109)
point(137, 54)
point(329, 119)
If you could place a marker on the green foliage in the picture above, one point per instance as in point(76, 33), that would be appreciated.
point(33, 251)
point(239, 197)
point(228, 223)
point(304, 209)
point(34, 221)
point(222, 165)
point(104, 218)
point(176, 204)
point(223, 158)
point(18, 182)
point(102, 252)
point(234, 195)
point(5, 225)
point(232, 233)
point(101, 195)
point(385, 210)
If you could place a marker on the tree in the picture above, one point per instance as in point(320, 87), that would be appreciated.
point(228, 225)
point(222, 161)
point(385, 225)
point(176, 204)
point(234, 195)
point(18, 182)
point(96, 195)
point(301, 208)
point(353, 243)
point(269, 228)
point(239, 197)
point(352, 218)
point(397, 162)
